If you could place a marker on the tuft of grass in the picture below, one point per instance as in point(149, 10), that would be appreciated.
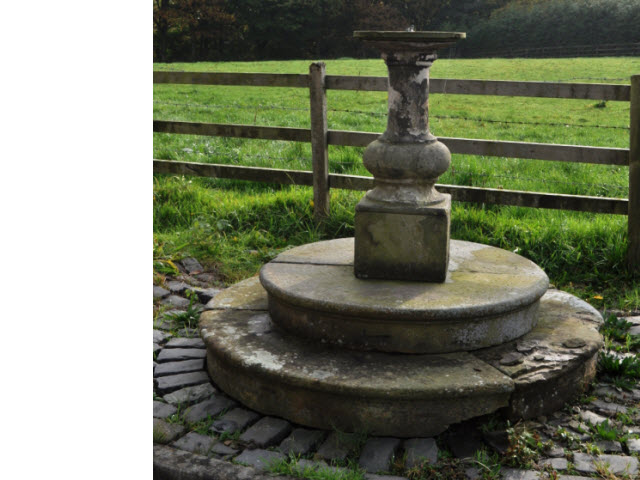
point(614, 367)
point(447, 468)
point(291, 466)
point(524, 448)
point(615, 328)
point(488, 464)
point(606, 431)
point(159, 436)
point(189, 317)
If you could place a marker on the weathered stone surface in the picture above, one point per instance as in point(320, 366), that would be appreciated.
point(377, 454)
point(192, 266)
point(550, 374)
point(176, 301)
point(179, 354)
point(163, 410)
point(481, 303)
point(205, 295)
point(420, 450)
point(165, 320)
point(159, 292)
point(633, 444)
point(373, 476)
point(556, 463)
point(175, 382)
point(164, 432)
point(156, 348)
point(177, 287)
point(159, 336)
point(301, 441)
point(516, 474)
point(384, 394)
point(246, 295)
point(171, 463)
point(259, 459)
point(555, 451)
point(608, 408)
point(188, 332)
point(337, 446)
point(609, 446)
point(266, 432)
point(190, 394)
point(234, 420)
point(616, 464)
point(222, 450)
point(591, 417)
point(173, 368)
point(185, 343)
point(195, 442)
point(402, 242)
point(209, 408)
point(472, 473)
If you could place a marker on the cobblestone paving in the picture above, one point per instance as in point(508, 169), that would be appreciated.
point(597, 436)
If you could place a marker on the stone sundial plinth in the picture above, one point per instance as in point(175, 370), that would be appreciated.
point(400, 331)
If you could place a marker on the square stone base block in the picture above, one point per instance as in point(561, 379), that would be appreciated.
point(402, 243)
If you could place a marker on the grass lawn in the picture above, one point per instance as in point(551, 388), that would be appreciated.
point(235, 227)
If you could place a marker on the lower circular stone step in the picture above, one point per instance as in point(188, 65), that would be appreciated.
point(490, 297)
point(403, 395)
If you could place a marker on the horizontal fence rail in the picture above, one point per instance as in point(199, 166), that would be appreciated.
point(354, 182)
point(321, 137)
point(347, 138)
point(590, 91)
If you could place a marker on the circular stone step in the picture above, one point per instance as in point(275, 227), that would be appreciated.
point(490, 296)
point(403, 395)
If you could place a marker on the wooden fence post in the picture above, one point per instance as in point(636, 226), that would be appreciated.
point(319, 146)
point(634, 177)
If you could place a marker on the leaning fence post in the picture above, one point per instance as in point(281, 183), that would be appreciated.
point(634, 177)
point(319, 149)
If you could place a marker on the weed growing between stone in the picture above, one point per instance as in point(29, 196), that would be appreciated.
point(294, 467)
point(189, 317)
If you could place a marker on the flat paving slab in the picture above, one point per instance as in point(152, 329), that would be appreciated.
point(164, 432)
point(181, 342)
point(420, 450)
point(268, 431)
point(301, 441)
point(337, 446)
point(209, 408)
point(171, 383)
point(616, 464)
point(234, 420)
point(192, 394)
point(178, 354)
point(377, 454)
point(195, 443)
point(173, 368)
point(258, 458)
point(163, 410)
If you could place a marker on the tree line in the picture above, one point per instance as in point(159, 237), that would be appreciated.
point(214, 30)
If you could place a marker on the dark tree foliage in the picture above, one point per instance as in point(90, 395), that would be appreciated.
point(192, 30)
point(557, 23)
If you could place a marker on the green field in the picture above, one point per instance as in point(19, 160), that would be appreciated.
point(235, 226)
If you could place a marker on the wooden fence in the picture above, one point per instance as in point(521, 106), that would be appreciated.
point(602, 50)
point(321, 137)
